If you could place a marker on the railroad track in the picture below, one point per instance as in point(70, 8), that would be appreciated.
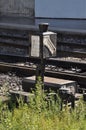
point(69, 64)
point(30, 69)
point(14, 47)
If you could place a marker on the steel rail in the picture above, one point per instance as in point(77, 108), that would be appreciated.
point(81, 79)
point(66, 63)
point(19, 70)
point(51, 61)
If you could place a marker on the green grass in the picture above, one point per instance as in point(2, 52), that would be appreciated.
point(42, 115)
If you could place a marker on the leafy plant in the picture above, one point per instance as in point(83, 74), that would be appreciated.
point(42, 114)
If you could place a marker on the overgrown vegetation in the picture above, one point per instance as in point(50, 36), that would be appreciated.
point(41, 114)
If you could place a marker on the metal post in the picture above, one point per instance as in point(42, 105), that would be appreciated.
point(41, 66)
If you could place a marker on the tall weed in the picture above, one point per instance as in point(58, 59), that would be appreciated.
point(43, 113)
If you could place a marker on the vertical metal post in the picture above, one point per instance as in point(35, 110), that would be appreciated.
point(41, 66)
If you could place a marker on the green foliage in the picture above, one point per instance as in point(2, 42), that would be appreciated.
point(42, 114)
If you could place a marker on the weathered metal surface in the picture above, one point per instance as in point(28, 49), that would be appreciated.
point(49, 83)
